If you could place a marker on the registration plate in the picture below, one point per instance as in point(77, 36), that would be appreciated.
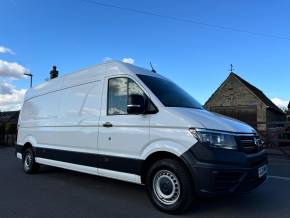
point(263, 170)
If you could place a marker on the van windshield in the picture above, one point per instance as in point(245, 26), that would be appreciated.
point(169, 93)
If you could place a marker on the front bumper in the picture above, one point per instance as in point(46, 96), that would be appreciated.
point(219, 171)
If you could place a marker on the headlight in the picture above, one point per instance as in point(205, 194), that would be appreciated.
point(216, 139)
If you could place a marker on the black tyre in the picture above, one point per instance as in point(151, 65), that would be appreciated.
point(170, 186)
point(29, 164)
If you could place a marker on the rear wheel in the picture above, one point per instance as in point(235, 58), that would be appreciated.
point(170, 186)
point(29, 164)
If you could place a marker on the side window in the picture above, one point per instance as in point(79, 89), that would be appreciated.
point(118, 91)
point(134, 89)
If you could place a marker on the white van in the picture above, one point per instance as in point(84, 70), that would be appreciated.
point(125, 122)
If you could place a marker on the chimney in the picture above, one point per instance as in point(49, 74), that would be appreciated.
point(53, 73)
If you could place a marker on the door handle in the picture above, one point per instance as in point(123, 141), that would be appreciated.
point(107, 124)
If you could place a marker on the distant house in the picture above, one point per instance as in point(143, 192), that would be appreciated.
point(239, 99)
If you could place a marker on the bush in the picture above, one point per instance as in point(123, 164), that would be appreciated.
point(10, 128)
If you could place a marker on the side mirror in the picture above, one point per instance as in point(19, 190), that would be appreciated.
point(136, 104)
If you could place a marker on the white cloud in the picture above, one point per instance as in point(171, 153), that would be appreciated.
point(10, 97)
point(6, 88)
point(128, 60)
point(4, 50)
point(283, 104)
point(12, 70)
point(107, 59)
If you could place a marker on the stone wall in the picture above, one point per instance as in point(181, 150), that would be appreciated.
point(235, 94)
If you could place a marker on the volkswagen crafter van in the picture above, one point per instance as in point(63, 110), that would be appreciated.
point(124, 122)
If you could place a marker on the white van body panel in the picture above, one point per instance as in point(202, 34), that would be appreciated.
point(210, 120)
point(129, 134)
point(185, 118)
point(164, 145)
point(66, 115)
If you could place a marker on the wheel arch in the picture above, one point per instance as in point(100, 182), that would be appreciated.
point(29, 141)
point(25, 146)
point(159, 155)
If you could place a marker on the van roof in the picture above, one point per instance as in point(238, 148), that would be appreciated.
point(85, 75)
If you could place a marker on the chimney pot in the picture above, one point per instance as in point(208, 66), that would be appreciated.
point(53, 73)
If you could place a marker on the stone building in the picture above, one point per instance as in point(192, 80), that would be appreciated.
point(239, 99)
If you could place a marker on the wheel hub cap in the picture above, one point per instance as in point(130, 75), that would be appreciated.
point(27, 161)
point(166, 187)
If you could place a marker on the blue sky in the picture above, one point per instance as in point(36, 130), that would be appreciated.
point(75, 34)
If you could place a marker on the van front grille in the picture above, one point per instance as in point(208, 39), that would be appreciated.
point(249, 144)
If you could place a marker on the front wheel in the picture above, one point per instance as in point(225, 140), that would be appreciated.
point(29, 164)
point(170, 186)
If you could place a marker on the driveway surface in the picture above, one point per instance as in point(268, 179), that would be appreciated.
point(61, 193)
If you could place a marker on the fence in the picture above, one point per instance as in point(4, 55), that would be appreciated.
point(8, 133)
point(276, 133)
point(8, 139)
